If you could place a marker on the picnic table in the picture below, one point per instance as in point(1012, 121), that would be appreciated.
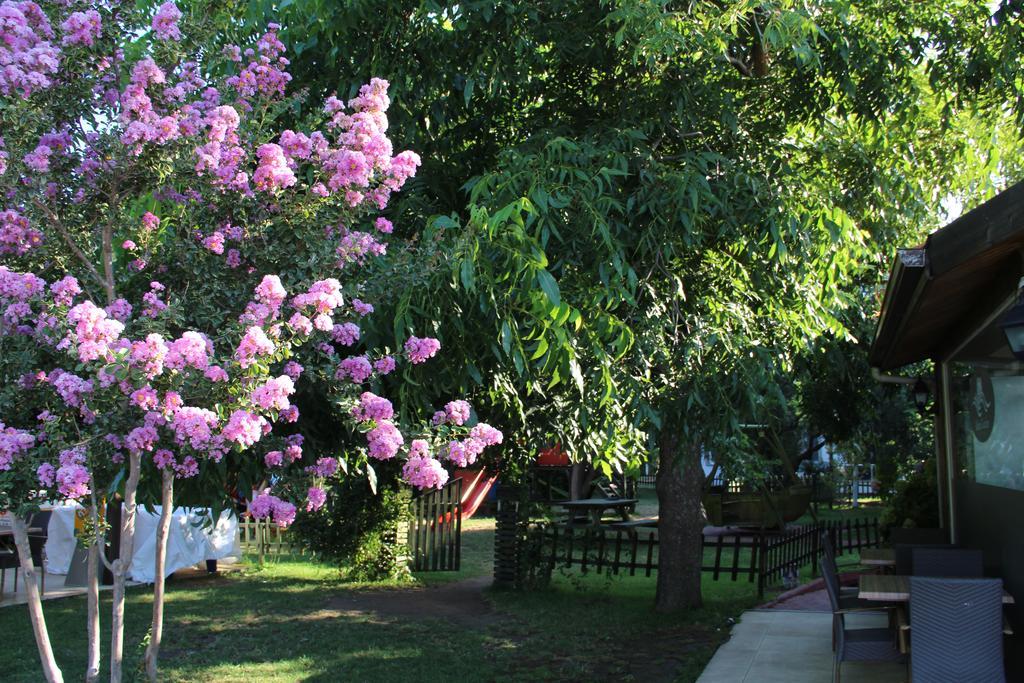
point(878, 557)
point(895, 588)
point(597, 506)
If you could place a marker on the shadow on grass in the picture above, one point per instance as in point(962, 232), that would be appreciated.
point(295, 621)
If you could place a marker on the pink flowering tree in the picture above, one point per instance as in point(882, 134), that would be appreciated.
point(178, 252)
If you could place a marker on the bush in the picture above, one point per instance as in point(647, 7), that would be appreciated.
point(358, 530)
point(916, 502)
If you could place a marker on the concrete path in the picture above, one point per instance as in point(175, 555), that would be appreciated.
point(779, 646)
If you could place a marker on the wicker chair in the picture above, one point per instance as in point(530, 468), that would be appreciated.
point(948, 562)
point(862, 645)
point(957, 630)
point(922, 536)
point(904, 555)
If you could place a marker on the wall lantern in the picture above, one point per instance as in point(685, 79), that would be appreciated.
point(921, 395)
point(1013, 324)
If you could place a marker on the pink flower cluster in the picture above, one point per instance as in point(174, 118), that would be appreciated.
point(457, 412)
point(373, 407)
point(267, 506)
point(190, 350)
point(154, 304)
point(65, 290)
point(273, 172)
point(94, 331)
point(274, 393)
point(245, 428)
point(316, 497)
point(384, 440)
point(345, 334)
point(13, 443)
point(254, 344)
point(356, 246)
point(424, 472)
point(195, 427)
point(16, 236)
point(222, 154)
point(324, 467)
point(165, 22)
point(418, 350)
point(323, 296)
point(72, 477)
point(265, 75)
point(82, 28)
point(465, 453)
point(384, 365)
point(355, 368)
point(26, 55)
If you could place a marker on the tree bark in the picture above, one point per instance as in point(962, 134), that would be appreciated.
point(157, 628)
point(120, 569)
point(679, 484)
point(92, 667)
point(35, 604)
point(92, 594)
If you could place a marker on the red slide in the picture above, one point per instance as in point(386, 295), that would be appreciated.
point(475, 486)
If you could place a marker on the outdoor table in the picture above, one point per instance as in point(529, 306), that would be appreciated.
point(597, 506)
point(895, 588)
point(878, 557)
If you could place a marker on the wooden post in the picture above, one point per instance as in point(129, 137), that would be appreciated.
point(506, 538)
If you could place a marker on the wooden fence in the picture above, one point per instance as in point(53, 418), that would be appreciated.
point(435, 529)
point(262, 537)
point(762, 557)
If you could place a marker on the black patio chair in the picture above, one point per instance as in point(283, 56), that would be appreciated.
point(841, 602)
point(918, 536)
point(948, 562)
point(903, 553)
point(957, 630)
point(862, 645)
point(829, 551)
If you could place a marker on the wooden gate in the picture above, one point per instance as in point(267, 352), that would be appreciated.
point(435, 529)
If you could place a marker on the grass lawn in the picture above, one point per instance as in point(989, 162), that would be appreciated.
point(294, 620)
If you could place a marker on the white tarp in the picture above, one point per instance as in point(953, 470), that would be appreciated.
point(188, 541)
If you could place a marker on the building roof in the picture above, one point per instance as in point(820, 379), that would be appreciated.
point(939, 292)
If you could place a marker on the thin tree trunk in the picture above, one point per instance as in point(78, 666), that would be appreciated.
point(679, 484)
point(92, 667)
point(120, 569)
point(157, 629)
point(35, 605)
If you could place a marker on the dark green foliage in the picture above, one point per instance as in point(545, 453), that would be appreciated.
point(357, 528)
point(916, 503)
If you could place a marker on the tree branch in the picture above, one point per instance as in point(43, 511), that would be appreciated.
point(740, 65)
point(75, 249)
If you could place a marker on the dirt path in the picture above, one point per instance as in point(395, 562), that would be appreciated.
point(462, 602)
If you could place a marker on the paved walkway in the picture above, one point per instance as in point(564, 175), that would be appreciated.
point(780, 646)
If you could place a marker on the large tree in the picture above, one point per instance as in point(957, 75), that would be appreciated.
point(651, 208)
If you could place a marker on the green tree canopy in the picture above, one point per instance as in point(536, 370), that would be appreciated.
point(649, 209)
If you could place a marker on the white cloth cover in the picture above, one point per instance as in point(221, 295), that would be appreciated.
point(188, 542)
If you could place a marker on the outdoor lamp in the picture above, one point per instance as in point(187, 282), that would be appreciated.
point(1013, 324)
point(921, 395)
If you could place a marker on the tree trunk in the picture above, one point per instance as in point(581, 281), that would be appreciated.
point(679, 484)
point(92, 667)
point(120, 568)
point(157, 628)
point(35, 605)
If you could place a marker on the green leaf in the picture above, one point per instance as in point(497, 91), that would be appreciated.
point(549, 286)
point(506, 336)
point(371, 477)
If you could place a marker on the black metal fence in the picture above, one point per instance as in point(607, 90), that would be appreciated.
point(733, 553)
point(435, 528)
